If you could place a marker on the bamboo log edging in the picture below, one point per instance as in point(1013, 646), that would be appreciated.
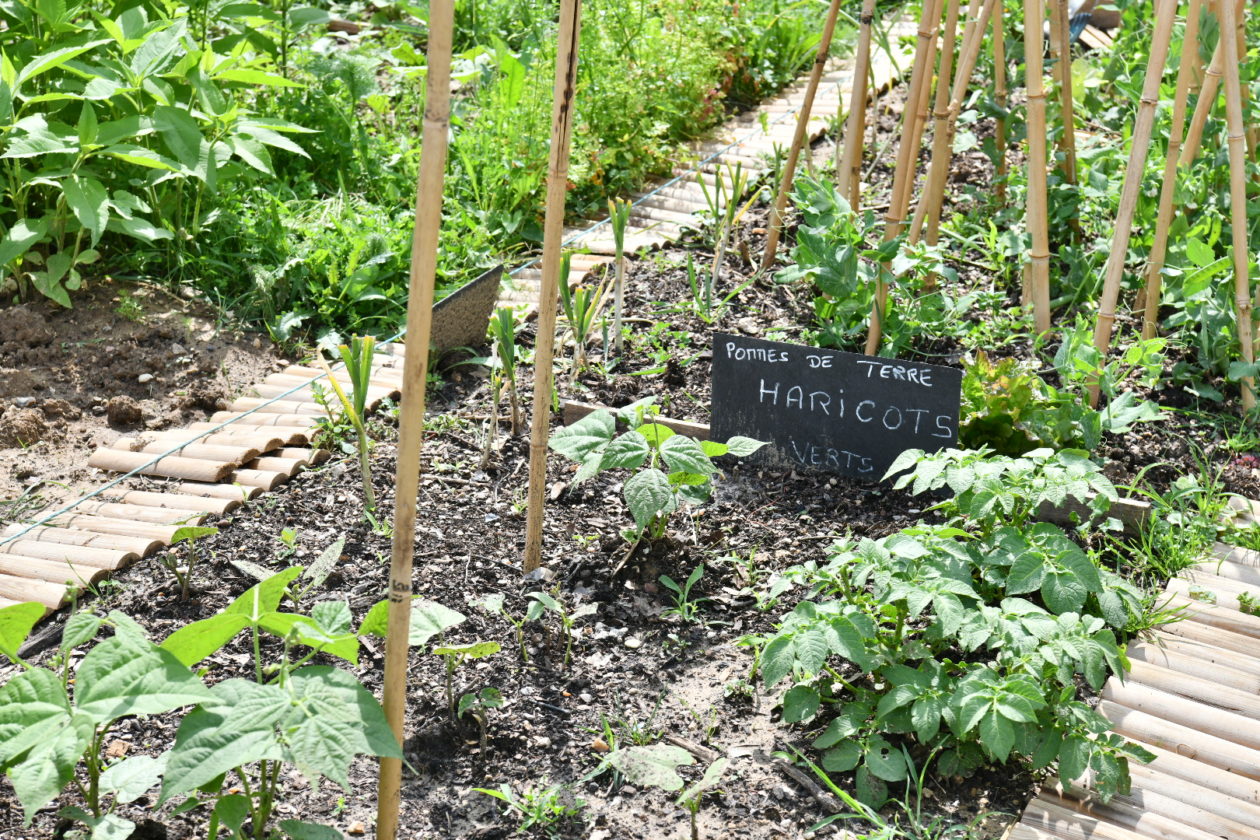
point(50, 571)
point(1183, 740)
point(798, 140)
point(1045, 820)
point(141, 546)
point(234, 455)
point(283, 435)
point(194, 469)
point(1165, 14)
point(1173, 816)
point(107, 559)
point(1193, 663)
point(1127, 815)
point(51, 595)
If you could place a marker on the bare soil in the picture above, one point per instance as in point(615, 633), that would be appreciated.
point(124, 359)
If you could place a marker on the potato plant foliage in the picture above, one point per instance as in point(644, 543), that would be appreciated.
point(964, 640)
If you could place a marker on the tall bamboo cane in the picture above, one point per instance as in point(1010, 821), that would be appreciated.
point(1036, 212)
point(553, 233)
point(1159, 248)
point(933, 197)
point(849, 170)
point(1203, 107)
point(940, 106)
point(798, 139)
point(923, 110)
point(424, 245)
point(999, 98)
point(1165, 14)
point(929, 20)
point(1228, 15)
point(1062, 49)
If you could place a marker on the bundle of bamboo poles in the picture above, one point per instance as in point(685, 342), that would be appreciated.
point(1224, 69)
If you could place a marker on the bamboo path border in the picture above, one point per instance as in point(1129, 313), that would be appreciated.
point(664, 209)
point(1192, 698)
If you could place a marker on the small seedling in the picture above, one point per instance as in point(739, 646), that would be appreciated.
point(544, 602)
point(357, 357)
point(288, 538)
point(539, 807)
point(657, 766)
point(619, 218)
point(503, 330)
point(494, 604)
point(651, 494)
point(690, 798)
point(580, 304)
point(190, 534)
point(456, 655)
point(686, 608)
point(478, 704)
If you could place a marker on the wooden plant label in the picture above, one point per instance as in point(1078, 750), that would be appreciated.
point(830, 411)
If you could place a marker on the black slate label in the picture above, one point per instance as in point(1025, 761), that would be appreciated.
point(830, 411)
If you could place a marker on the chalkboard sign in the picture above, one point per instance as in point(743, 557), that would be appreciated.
point(830, 411)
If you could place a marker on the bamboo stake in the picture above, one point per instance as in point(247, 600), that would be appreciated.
point(906, 152)
point(999, 95)
point(424, 244)
point(933, 198)
point(1062, 51)
point(849, 170)
point(553, 232)
point(1228, 15)
point(1203, 107)
point(798, 140)
point(940, 106)
point(922, 111)
point(1036, 212)
point(1159, 248)
point(1165, 14)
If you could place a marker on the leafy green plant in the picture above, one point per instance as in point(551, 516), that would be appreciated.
point(544, 602)
point(313, 717)
point(357, 357)
point(539, 806)
point(54, 723)
point(121, 125)
point(971, 635)
point(651, 494)
point(832, 254)
point(685, 607)
point(190, 535)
